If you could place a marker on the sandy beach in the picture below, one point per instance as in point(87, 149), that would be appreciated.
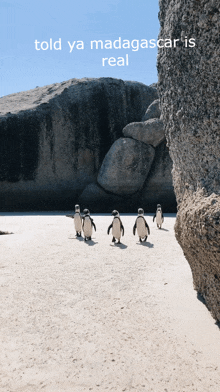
point(95, 316)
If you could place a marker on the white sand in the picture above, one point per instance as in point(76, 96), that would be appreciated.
point(79, 316)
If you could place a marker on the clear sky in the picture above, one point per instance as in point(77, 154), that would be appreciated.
point(22, 67)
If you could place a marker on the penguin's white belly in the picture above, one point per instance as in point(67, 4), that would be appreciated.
point(87, 228)
point(159, 219)
point(141, 228)
point(78, 222)
point(116, 229)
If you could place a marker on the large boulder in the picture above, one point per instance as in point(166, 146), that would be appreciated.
point(189, 96)
point(99, 200)
point(126, 166)
point(149, 132)
point(153, 111)
point(53, 139)
point(158, 188)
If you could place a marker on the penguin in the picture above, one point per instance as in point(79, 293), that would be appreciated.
point(87, 223)
point(77, 220)
point(159, 216)
point(117, 227)
point(141, 225)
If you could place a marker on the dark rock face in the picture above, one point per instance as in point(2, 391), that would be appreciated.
point(53, 139)
point(189, 92)
point(126, 166)
point(158, 188)
point(153, 111)
point(149, 132)
point(99, 200)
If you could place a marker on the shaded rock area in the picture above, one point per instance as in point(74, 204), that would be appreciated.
point(189, 90)
point(126, 166)
point(153, 111)
point(149, 132)
point(134, 173)
point(158, 188)
point(99, 200)
point(53, 139)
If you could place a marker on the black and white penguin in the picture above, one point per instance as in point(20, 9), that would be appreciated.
point(159, 216)
point(77, 220)
point(117, 227)
point(141, 225)
point(87, 224)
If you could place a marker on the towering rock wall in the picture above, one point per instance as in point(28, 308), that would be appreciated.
point(189, 90)
point(53, 139)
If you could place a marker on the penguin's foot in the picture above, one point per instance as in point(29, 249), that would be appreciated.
point(145, 239)
point(89, 238)
point(85, 239)
point(113, 239)
point(78, 234)
point(140, 239)
point(119, 241)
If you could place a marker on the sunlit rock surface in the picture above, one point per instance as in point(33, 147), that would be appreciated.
point(189, 90)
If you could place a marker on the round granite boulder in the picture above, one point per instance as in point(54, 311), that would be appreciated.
point(126, 166)
point(149, 132)
point(153, 111)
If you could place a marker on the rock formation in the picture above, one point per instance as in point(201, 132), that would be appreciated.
point(153, 111)
point(136, 171)
point(189, 90)
point(158, 188)
point(126, 166)
point(53, 139)
point(149, 132)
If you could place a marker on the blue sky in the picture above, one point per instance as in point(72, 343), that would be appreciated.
point(22, 67)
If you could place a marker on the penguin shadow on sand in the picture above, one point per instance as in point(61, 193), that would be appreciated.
point(162, 229)
point(120, 245)
point(90, 242)
point(147, 244)
point(77, 238)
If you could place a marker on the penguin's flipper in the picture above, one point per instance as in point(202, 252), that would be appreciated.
point(94, 225)
point(83, 220)
point(109, 228)
point(122, 228)
point(148, 228)
point(154, 217)
point(134, 228)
